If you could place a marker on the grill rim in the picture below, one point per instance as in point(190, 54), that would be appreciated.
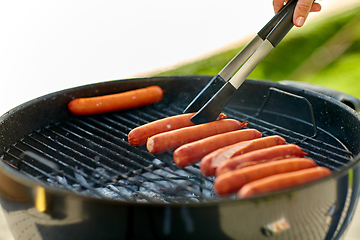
point(32, 183)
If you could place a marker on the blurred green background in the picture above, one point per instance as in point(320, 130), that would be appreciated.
point(325, 52)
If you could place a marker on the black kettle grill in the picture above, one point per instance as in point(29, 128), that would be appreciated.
point(76, 177)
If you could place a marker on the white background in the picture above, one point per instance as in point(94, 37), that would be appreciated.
point(46, 46)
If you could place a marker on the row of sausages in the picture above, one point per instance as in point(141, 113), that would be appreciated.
point(242, 160)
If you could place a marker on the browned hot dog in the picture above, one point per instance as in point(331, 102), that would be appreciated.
point(192, 153)
point(115, 102)
point(138, 136)
point(210, 162)
point(166, 141)
point(261, 156)
point(231, 182)
point(282, 181)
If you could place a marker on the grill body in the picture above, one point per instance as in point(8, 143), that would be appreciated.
point(35, 151)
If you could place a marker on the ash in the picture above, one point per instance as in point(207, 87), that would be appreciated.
point(159, 184)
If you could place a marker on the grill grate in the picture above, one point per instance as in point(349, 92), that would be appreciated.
point(90, 155)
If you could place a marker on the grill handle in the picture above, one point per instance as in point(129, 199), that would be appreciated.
point(346, 99)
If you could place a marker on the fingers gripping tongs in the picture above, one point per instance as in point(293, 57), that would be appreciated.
point(212, 99)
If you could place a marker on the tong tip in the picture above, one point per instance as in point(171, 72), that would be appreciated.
point(206, 93)
point(211, 110)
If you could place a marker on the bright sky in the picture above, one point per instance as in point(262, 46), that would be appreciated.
point(46, 46)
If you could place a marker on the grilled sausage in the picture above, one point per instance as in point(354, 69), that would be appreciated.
point(163, 142)
point(282, 181)
point(231, 182)
point(192, 153)
point(138, 136)
point(260, 156)
point(116, 102)
point(210, 162)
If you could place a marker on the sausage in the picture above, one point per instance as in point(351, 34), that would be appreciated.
point(166, 141)
point(260, 156)
point(139, 135)
point(282, 181)
point(115, 102)
point(210, 162)
point(231, 182)
point(192, 153)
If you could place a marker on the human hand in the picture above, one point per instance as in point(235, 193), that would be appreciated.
point(303, 7)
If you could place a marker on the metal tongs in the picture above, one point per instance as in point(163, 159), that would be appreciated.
point(212, 99)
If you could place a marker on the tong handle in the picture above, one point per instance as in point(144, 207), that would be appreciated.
point(282, 28)
point(264, 32)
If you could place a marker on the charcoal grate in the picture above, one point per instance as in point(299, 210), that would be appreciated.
point(90, 155)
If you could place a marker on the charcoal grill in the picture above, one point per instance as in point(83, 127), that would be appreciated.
point(77, 177)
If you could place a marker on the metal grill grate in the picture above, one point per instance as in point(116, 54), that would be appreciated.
point(90, 155)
